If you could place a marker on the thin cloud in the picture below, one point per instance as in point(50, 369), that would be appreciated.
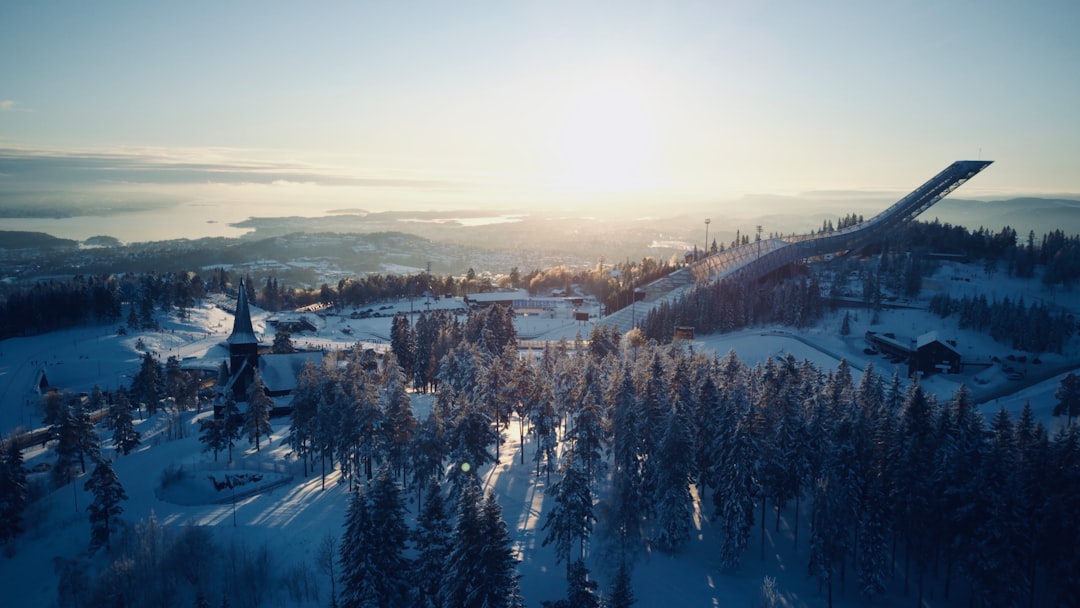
point(186, 166)
point(9, 105)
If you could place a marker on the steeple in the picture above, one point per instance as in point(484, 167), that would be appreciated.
point(243, 348)
point(242, 332)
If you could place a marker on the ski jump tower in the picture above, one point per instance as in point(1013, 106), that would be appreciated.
point(753, 260)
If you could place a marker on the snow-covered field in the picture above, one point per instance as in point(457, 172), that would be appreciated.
point(292, 512)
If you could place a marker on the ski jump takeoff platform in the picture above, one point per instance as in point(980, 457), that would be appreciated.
point(754, 260)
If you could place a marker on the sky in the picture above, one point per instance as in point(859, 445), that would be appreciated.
point(433, 105)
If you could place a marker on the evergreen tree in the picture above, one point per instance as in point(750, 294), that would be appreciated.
point(736, 471)
point(571, 518)
point(125, 437)
point(76, 439)
point(428, 450)
point(399, 424)
point(179, 384)
point(481, 569)
point(1000, 574)
point(826, 539)
point(283, 343)
point(580, 591)
point(498, 564)
point(146, 386)
point(358, 571)
point(104, 510)
point(403, 344)
point(913, 460)
point(1068, 397)
point(625, 474)
point(432, 540)
point(388, 537)
point(622, 594)
point(305, 412)
point(13, 491)
point(231, 422)
point(674, 504)
point(257, 415)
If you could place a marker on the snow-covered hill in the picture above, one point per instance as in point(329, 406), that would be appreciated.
point(292, 512)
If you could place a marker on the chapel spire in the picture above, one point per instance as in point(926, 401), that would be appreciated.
point(242, 332)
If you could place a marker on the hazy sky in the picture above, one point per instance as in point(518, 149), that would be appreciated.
point(457, 103)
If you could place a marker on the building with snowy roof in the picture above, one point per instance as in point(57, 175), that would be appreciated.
point(279, 372)
point(925, 354)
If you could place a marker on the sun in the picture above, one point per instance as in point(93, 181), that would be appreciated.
point(603, 135)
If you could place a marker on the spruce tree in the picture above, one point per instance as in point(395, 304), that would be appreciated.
point(13, 491)
point(105, 508)
point(1068, 397)
point(388, 537)
point(146, 386)
point(257, 415)
point(622, 594)
point(358, 572)
point(674, 504)
point(571, 518)
point(432, 541)
point(125, 437)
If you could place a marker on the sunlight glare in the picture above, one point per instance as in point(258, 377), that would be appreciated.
point(604, 135)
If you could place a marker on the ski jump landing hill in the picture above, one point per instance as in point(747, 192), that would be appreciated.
point(756, 259)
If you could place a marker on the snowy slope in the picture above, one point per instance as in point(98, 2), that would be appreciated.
point(290, 519)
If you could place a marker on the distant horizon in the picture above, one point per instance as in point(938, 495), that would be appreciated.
point(192, 220)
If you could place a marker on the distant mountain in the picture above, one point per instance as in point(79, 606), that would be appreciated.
point(14, 239)
point(1042, 215)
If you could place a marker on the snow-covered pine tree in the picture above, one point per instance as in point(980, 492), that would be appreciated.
point(960, 499)
point(470, 434)
point(498, 564)
point(257, 414)
point(398, 422)
point(147, 385)
point(230, 424)
point(305, 412)
point(403, 343)
point(13, 491)
point(580, 590)
point(1001, 576)
point(388, 536)
point(913, 461)
point(736, 464)
point(653, 405)
point(481, 570)
point(571, 518)
point(427, 451)
point(622, 593)
point(358, 572)
point(1068, 397)
point(431, 537)
point(586, 435)
point(674, 504)
point(1061, 535)
point(65, 430)
point(105, 508)
point(125, 437)
point(626, 510)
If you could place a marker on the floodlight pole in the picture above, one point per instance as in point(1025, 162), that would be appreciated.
point(706, 250)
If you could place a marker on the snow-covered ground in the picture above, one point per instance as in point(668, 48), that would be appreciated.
point(292, 512)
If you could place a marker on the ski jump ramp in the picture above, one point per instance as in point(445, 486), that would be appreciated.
point(756, 259)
